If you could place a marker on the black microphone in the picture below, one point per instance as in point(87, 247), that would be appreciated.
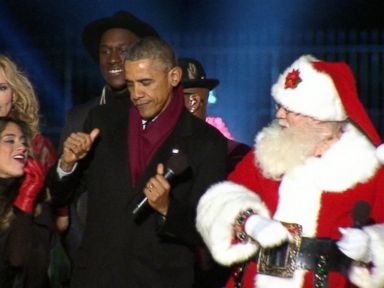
point(360, 214)
point(175, 166)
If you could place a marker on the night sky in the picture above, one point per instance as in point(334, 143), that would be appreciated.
point(44, 37)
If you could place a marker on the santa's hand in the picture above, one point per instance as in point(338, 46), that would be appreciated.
point(267, 232)
point(355, 244)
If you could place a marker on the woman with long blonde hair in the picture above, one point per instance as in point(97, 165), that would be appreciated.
point(18, 100)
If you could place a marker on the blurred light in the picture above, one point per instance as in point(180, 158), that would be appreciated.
point(212, 98)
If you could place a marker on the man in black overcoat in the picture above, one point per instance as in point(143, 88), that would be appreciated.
point(121, 157)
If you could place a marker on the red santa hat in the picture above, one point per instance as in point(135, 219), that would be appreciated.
point(325, 91)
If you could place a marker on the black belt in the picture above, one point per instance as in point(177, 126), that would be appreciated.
point(319, 255)
point(312, 249)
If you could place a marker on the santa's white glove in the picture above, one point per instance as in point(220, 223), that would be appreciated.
point(267, 232)
point(355, 244)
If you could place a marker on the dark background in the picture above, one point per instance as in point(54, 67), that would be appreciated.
point(244, 43)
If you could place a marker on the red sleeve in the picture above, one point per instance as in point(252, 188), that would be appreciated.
point(245, 173)
point(249, 175)
point(44, 151)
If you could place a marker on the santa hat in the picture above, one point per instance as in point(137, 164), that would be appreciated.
point(325, 91)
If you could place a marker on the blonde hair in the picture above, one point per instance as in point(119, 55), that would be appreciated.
point(25, 105)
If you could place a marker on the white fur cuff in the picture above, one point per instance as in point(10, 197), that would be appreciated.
point(364, 278)
point(216, 214)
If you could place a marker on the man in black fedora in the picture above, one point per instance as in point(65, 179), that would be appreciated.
point(196, 92)
point(196, 86)
point(105, 40)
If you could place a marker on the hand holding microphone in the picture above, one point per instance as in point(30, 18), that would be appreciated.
point(158, 187)
point(355, 242)
point(157, 191)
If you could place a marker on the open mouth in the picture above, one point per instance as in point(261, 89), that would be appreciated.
point(20, 158)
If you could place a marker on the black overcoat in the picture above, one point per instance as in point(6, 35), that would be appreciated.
point(122, 250)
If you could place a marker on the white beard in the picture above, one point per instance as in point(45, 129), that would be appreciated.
point(279, 150)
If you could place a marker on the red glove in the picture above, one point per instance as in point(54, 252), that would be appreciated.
point(31, 186)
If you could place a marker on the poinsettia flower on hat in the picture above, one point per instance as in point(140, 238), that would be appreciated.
point(293, 79)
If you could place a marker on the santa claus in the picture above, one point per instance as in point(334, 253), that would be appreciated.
point(304, 208)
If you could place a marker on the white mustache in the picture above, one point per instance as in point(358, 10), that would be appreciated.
point(283, 123)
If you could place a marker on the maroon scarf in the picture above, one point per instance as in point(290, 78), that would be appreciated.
point(142, 144)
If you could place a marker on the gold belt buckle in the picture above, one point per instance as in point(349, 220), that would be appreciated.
point(281, 261)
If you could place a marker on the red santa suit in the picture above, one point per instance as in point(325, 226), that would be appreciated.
point(319, 195)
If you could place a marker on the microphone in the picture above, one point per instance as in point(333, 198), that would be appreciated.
point(175, 166)
point(360, 214)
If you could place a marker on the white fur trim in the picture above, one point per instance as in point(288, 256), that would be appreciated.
point(299, 199)
point(216, 214)
point(380, 153)
point(349, 161)
point(315, 96)
point(364, 278)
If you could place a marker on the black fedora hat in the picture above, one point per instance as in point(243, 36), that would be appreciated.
point(93, 31)
point(194, 74)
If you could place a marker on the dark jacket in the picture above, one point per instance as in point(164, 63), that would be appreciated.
point(25, 244)
point(78, 209)
point(76, 116)
point(119, 250)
